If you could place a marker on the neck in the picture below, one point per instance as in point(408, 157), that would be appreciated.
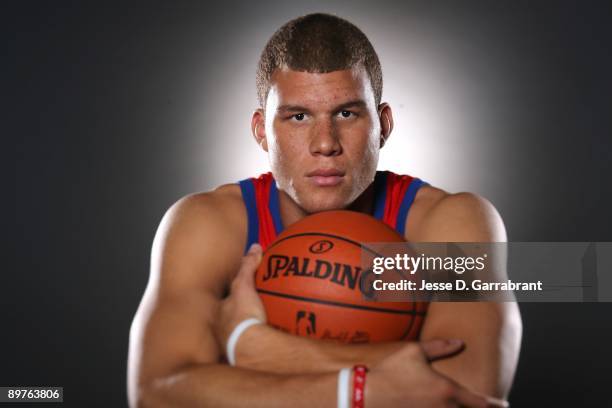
point(291, 212)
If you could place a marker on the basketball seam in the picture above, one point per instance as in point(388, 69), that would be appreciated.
point(324, 234)
point(347, 305)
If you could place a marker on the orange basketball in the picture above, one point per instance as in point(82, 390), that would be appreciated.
point(310, 281)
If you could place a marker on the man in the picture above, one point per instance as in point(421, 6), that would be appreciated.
point(322, 125)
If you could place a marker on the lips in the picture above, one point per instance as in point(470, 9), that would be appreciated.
point(326, 177)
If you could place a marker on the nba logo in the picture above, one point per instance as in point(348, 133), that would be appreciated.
point(305, 323)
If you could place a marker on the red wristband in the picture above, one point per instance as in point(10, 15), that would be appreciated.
point(359, 378)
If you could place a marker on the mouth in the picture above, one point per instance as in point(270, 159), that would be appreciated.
point(326, 177)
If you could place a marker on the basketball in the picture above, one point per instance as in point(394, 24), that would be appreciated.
point(311, 282)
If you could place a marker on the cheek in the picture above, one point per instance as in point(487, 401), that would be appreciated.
point(275, 143)
point(365, 160)
point(284, 148)
point(374, 146)
point(365, 131)
point(276, 156)
point(367, 146)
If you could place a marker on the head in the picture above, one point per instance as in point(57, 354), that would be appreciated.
point(320, 119)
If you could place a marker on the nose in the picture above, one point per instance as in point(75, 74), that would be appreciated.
point(325, 139)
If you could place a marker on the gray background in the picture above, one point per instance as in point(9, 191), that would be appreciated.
point(112, 113)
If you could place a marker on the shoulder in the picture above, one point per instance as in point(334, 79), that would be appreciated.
point(225, 201)
point(221, 210)
point(462, 217)
point(200, 235)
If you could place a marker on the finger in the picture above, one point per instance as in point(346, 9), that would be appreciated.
point(467, 398)
point(441, 348)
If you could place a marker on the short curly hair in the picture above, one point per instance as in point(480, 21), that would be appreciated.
point(318, 43)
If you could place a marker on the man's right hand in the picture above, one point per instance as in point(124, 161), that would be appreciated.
point(242, 302)
point(406, 379)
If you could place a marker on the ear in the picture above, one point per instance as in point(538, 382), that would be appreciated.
point(258, 128)
point(386, 122)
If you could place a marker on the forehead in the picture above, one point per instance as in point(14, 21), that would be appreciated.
point(319, 89)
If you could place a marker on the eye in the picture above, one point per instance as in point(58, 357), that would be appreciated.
point(298, 117)
point(346, 114)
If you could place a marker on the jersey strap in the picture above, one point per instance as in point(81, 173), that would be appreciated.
point(394, 195)
point(260, 196)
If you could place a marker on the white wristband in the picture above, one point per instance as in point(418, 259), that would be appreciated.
point(233, 338)
point(343, 387)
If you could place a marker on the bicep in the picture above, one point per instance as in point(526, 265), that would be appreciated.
point(172, 328)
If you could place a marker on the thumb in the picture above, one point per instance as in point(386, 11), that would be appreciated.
point(249, 265)
point(441, 348)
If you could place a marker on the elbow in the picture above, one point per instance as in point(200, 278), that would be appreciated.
point(144, 396)
point(513, 335)
point(502, 357)
point(510, 348)
point(136, 398)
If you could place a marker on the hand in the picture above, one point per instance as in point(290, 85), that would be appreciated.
point(243, 302)
point(406, 379)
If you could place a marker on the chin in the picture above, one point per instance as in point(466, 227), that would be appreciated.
point(320, 208)
point(316, 204)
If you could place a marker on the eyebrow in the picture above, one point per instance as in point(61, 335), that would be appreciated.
point(291, 108)
point(357, 103)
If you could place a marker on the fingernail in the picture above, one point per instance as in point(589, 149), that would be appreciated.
point(254, 248)
point(494, 402)
point(454, 342)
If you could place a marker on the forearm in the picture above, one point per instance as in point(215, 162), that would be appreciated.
point(267, 349)
point(218, 385)
point(491, 333)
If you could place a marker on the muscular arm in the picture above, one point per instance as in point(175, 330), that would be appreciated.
point(174, 359)
point(265, 348)
point(491, 331)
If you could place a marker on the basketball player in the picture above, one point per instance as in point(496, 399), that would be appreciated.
point(322, 125)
